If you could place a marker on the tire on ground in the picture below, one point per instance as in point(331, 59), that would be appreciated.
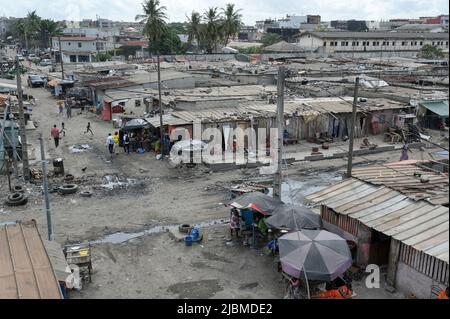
point(16, 199)
point(68, 189)
point(18, 189)
point(86, 194)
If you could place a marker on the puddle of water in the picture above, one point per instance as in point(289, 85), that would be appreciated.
point(294, 191)
point(121, 237)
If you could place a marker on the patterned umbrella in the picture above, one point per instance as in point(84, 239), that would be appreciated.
point(323, 255)
point(258, 201)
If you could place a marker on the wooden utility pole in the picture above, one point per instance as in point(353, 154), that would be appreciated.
point(45, 185)
point(161, 127)
point(278, 180)
point(23, 136)
point(352, 130)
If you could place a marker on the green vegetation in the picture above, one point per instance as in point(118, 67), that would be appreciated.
point(270, 38)
point(430, 52)
point(214, 27)
point(250, 50)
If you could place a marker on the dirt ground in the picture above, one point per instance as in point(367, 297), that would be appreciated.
point(153, 193)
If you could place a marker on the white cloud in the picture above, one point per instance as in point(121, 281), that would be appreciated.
point(253, 10)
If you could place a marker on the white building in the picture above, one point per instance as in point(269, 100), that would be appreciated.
point(292, 22)
point(420, 28)
point(107, 35)
point(328, 43)
point(78, 49)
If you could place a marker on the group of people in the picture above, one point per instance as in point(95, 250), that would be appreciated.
point(56, 132)
point(112, 141)
point(67, 104)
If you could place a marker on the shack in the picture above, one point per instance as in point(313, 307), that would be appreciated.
point(433, 114)
point(409, 237)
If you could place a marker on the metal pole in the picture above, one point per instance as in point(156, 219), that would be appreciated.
point(61, 58)
point(12, 127)
point(45, 184)
point(161, 127)
point(280, 124)
point(23, 136)
point(352, 130)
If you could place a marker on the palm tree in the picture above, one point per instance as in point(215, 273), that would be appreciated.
point(47, 29)
point(212, 28)
point(154, 18)
point(22, 30)
point(194, 28)
point(232, 22)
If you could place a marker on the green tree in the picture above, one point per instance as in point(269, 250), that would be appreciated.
point(250, 50)
point(194, 28)
point(154, 18)
point(213, 29)
point(270, 38)
point(232, 22)
point(22, 30)
point(48, 29)
point(170, 43)
point(429, 51)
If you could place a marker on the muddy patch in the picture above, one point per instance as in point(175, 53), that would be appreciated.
point(202, 289)
point(214, 257)
point(250, 285)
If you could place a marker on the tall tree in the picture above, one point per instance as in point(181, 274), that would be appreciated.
point(213, 30)
point(48, 29)
point(22, 30)
point(154, 18)
point(194, 28)
point(232, 21)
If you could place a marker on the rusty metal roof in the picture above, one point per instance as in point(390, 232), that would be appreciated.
point(418, 224)
point(412, 179)
point(25, 268)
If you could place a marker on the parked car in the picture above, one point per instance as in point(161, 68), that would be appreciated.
point(31, 57)
point(45, 62)
point(35, 81)
point(20, 57)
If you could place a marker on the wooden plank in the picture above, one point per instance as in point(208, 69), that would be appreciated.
point(8, 286)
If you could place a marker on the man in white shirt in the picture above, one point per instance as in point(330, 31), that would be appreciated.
point(110, 143)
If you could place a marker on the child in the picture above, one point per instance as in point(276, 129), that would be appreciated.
point(234, 222)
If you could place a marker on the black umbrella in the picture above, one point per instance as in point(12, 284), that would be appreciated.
point(258, 201)
point(294, 218)
point(322, 255)
point(136, 124)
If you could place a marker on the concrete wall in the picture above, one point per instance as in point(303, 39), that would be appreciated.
point(410, 281)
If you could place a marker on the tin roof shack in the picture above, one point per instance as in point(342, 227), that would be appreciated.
point(410, 237)
point(26, 271)
point(433, 114)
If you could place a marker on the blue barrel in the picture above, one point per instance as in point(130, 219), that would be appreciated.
point(195, 233)
point(188, 240)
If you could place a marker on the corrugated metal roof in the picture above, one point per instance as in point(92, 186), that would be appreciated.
point(418, 224)
point(438, 107)
point(406, 178)
point(25, 268)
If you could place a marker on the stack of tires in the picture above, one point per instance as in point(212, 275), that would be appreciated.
point(18, 197)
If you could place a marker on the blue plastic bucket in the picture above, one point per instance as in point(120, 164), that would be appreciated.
point(195, 233)
point(188, 240)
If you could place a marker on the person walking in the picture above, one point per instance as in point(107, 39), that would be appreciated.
point(55, 134)
point(110, 143)
point(88, 129)
point(61, 108)
point(63, 129)
point(116, 140)
point(126, 143)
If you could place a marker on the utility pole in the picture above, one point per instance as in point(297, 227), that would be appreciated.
point(12, 126)
point(23, 136)
point(352, 130)
point(280, 124)
point(161, 127)
point(45, 185)
point(60, 57)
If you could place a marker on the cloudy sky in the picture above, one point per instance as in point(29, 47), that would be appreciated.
point(252, 10)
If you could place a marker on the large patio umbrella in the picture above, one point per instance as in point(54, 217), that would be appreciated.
point(322, 255)
point(294, 218)
point(258, 201)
